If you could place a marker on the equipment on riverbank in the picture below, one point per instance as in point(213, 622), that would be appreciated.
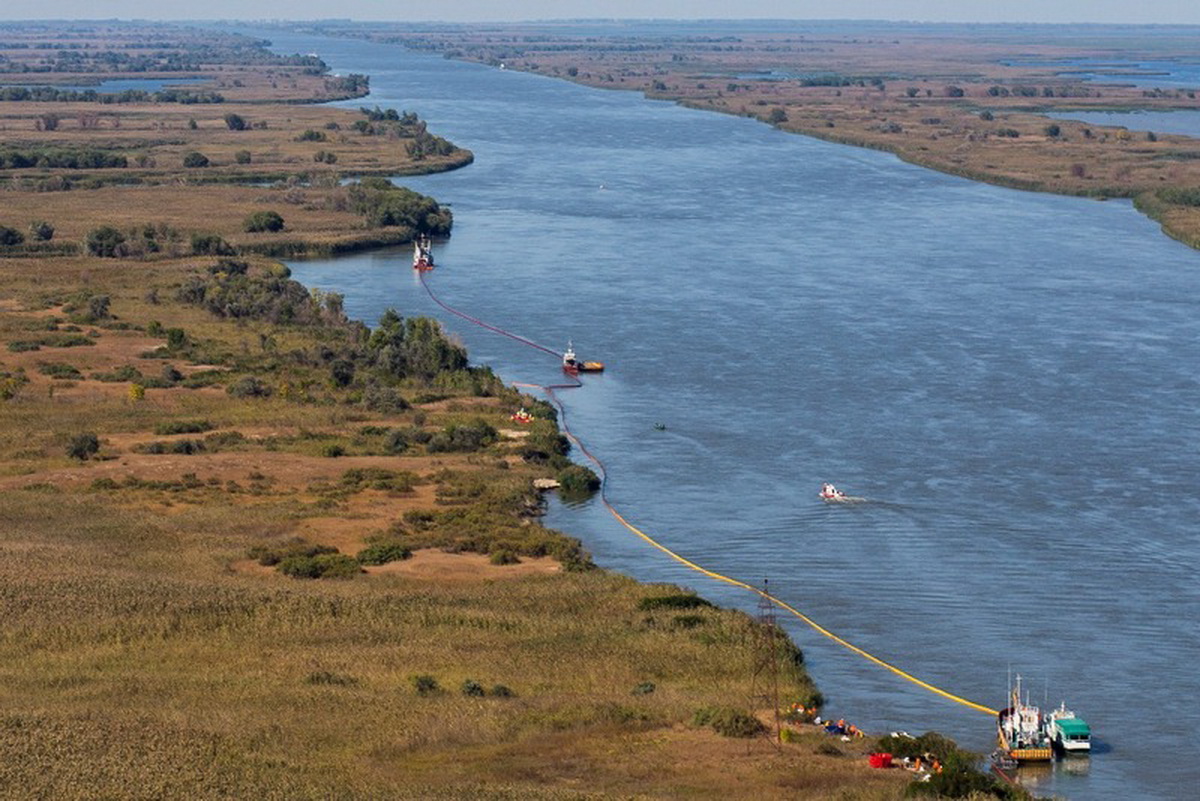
point(422, 253)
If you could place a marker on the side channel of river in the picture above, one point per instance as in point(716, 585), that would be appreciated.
point(1010, 378)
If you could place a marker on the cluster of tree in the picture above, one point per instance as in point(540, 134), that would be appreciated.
point(108, 241)
point(416, 347)
point(384, 204)
point(378, 114)
point(69, 158)
point(353, 84)
point(835, 80)
point(48, 94)
point(39, 231)
point(229, 289)
point(426, 144)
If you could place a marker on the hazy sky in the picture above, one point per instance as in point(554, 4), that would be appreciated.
point(1118, 11)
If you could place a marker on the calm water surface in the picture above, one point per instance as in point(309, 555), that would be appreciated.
point(1010, 378)
point(1176, 122)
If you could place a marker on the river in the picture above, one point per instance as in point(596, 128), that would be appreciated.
point(1010, 378)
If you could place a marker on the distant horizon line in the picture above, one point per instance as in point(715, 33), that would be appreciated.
point(579, 20)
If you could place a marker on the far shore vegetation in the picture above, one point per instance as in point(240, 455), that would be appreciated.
point(975, 101)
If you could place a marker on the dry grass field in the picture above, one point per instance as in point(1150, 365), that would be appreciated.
point(251, 549)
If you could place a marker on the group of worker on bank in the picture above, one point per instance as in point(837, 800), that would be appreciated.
point(799, 713)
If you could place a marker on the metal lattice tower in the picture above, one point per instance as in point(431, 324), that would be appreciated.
point(764, 684)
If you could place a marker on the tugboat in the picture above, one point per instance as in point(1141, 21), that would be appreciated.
point(1068, 734)
point(422, 253)
point(830, 493)
point(1022, 732)
point(572, 365)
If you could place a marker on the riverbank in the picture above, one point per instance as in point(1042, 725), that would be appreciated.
point(251, 547)
point(968, 103)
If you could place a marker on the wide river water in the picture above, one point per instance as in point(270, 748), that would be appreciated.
point(1011, 379)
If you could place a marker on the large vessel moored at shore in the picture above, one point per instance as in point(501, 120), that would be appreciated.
point(1021, 730)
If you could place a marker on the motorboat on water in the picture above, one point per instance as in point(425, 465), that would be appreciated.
point(831, 493)
point(422, 253)
point(1068, 733)
point(573, 365)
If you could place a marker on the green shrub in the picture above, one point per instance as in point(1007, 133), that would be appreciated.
point(41, 231)
point(249, 387)
point(472, 688)
point(360, 478)
point(501, 691)
point(688, 621)
point(382, 553)
point(729, 722)
point(195, 160)
point(329, 565)
point(263, 221)
point(311, 135)
point(677, 600)
point(270, 555)
point(122, 374)
point(55, 370)
point(105, 241)
point(466, 437)
point(23, 346)
point(210, 245)
point(183, 427)
point(242, 157)
point(828, 749)
point(333, 450)
point(385, 400)
point(577, 480)
point(645, 688)
point(425, 684)
point(83, 446)
point(10, 237)
point(326, 678)
point(395, 442)
point(503, 556)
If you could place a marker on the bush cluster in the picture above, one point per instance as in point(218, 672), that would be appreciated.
point(381, 553)
point(383, 203)
point(728, 721)
point(63, 158)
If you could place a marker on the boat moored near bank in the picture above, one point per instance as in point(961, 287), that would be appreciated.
point(1068, 733)
point(1022, 731)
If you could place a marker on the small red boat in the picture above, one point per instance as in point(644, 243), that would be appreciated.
point(422, 253)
